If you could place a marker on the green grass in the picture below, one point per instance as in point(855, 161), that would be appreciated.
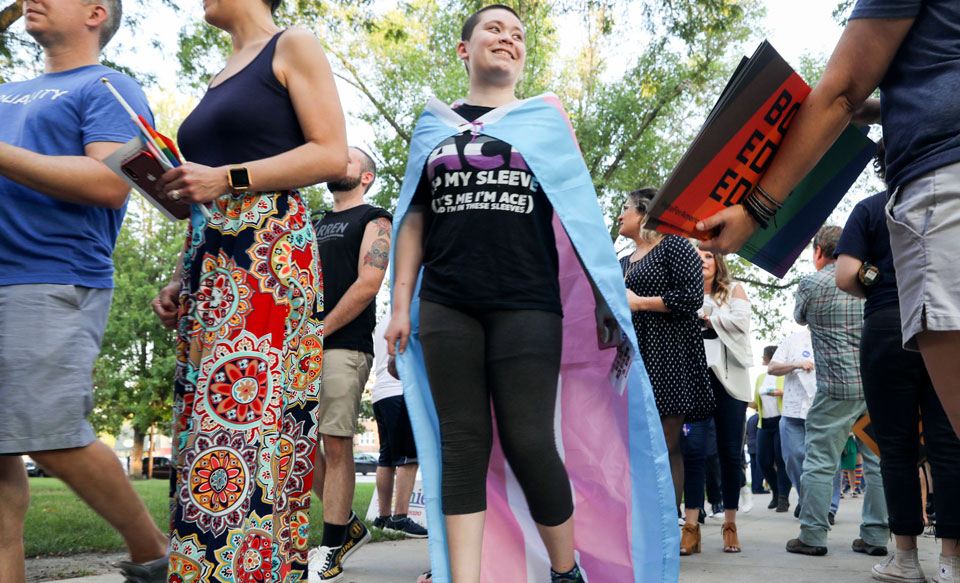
point(59, 523)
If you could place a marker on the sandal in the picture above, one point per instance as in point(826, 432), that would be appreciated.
point(690, 539)
point(425, 577)
point(730, 542)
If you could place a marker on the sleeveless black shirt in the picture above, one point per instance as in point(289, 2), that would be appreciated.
point(248, 116)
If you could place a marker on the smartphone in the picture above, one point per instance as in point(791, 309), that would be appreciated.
point(145, 171)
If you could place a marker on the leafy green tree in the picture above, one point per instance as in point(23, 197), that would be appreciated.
point(133, 378)
point(134, 374)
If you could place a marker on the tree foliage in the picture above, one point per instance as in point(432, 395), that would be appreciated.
point(133, 378)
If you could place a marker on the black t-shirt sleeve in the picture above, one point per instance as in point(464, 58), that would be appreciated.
point(855, 238)
point(685, 272)
point(422, 195)
point(375, 213)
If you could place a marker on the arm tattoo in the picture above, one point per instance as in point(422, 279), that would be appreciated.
point(379, 254)
point(383, 227)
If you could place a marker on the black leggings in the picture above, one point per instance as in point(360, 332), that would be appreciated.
point(899, 394)
point(511, 357)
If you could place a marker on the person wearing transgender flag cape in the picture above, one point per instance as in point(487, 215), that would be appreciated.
point(539, 440)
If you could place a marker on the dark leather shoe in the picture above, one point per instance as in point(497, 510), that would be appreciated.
point(861, 546)
point(797, 546)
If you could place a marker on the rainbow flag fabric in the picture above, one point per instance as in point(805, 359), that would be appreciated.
point(609, 431)
point(734, 148)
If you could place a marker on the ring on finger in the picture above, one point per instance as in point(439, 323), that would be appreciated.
point(175, 194)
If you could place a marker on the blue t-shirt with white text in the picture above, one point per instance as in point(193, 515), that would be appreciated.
point(920, 93)
point(45, 240)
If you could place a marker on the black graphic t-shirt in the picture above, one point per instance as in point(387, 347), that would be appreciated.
point(339, 236)
point(489, 234)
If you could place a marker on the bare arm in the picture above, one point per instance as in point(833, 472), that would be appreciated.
point(645, 303)
point(409, 257)
point(166, 304)
point(303, 68)
point(847, 277)
point(77, 179)
point(778, 369)
point(374, 255)
point(854, 71)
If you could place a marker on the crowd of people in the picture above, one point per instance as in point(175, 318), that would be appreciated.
point(482, 365)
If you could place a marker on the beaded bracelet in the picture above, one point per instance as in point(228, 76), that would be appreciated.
point(757, 210)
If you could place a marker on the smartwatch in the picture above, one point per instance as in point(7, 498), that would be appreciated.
point(239, 178)
point(869, 274)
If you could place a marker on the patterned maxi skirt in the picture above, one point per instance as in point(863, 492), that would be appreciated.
point(246, 393)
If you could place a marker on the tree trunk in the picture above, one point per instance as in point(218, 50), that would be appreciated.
point(136, 454)
point(150, 454)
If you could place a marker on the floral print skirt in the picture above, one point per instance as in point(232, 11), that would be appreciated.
point(249, 354)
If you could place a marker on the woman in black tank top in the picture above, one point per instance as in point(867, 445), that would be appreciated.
point(243, 298)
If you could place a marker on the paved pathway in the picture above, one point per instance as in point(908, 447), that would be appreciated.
point(763, 534)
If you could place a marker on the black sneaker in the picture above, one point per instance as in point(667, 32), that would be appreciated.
point(861, 546)
point(406, 527)
point(799, 547)
point(333, 558)
point(796, 511)
point(831, 518)
point(381, 522)
point(357, 536)
point(331, 564)
point(773, 502)
point(783, 504)
point(152, 572)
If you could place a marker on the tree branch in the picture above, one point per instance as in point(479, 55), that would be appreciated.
point(10, 14)
point(359, 84)
point(759, 283)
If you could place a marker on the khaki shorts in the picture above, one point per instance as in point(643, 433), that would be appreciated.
point(924, 221)
point(345, 374)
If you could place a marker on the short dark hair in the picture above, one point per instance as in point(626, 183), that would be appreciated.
point(471, 22)
point(827, 239)
point(111, 25)
point(769, 351)
point(640, 199)
point(273, 4)
point(369, 165)
point(880, 160)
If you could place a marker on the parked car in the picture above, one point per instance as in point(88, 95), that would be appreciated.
point(33, 470)
point(161, 467)
point(366, 463)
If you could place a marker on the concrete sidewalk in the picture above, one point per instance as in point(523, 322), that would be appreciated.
point(763, 534)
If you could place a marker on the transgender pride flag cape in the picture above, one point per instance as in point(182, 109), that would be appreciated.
point(608, 429)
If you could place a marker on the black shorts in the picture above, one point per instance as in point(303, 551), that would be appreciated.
point(397, 447)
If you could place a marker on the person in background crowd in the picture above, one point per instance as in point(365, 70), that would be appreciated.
point(848, 465)
point(768, 401)
point(398, 452)
point(244, 297)
point(756, 476)
point(60, 215)
point(835, 319)
point(899, 396)
point(909, 50)
point(353, 242)
point(664, 279)
point(800, 386)
point(726, 339)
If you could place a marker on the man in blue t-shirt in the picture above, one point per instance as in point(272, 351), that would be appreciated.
point(60, 212)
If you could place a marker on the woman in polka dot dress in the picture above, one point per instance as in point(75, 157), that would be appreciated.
point(664, 280)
